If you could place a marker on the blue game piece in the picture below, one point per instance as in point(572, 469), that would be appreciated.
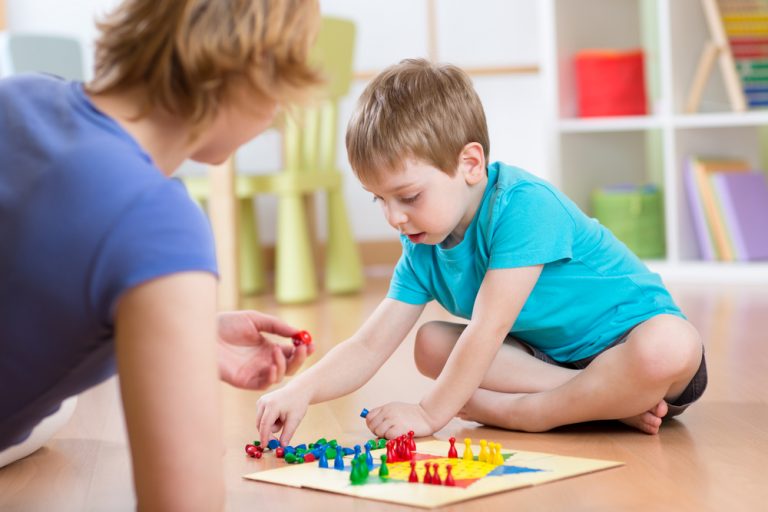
point(338, 462)
point(289, 449)
point(301, 446)
point(322, 462)
point(368, 457)
point(364, 413)
point(348, 451)
point(357, 450)
point(273, 443)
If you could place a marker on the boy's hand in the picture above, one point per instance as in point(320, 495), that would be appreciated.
point(280, 410)
point(396, 418)
point(247, 359)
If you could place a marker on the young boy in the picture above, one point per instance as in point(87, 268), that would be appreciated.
point(107, 263)
point(566, 325)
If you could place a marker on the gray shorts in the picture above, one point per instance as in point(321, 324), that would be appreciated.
point(690, 394)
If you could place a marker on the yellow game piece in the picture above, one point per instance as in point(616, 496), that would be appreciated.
point(483, 457)
point(491, 457)
point(499, 458)
point(468, 455)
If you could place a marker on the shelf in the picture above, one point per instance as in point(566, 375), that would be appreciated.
point(724, 119)
point(609, 124)
point(589, 153)
point(711, 271)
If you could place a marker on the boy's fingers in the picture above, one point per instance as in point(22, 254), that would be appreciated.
point(291, 423)
point(266, 425)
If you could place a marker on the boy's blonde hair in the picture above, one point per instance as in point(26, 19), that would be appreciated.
point(187, 54)
point(415, 109)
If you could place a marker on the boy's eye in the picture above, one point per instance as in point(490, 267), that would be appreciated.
point(376, 198)
point(410, 199)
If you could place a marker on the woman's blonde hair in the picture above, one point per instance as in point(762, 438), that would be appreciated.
point(187, 54)
point(415, 109)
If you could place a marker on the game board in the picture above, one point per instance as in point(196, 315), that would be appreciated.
point(473, 478)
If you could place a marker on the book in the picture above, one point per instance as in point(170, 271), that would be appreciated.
point(702, 168)
point(743, 200)
point(699, 219)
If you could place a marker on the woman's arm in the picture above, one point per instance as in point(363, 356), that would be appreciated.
point(166, 358)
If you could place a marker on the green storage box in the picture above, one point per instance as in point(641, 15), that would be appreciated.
point(635, 215)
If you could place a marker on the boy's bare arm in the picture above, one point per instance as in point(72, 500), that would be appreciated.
point(345, 368)
point(166, 356)
point(499, 301)
point(353, 362)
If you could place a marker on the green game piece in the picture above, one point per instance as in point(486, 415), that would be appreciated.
point(356, 476)
point(300, 460)
point(363, 464)
point(383, 469)
point(290, 458)
point(257, 443)
point(322, 441)
point(382, 443)
point(330, 453)
point(333, 443)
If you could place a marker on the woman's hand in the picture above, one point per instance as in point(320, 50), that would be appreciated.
point(247, 359)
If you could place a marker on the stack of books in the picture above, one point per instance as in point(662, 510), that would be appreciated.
point(746, 27)
point(729, 208)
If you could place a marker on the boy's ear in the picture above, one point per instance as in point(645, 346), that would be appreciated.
point(472, 162)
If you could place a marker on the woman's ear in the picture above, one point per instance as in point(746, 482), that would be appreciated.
point(472, 163)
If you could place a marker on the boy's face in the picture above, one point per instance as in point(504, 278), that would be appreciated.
point(426, 204)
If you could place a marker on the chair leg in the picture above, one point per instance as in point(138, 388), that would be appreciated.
point(294, 266)
point(343, 268)
point(252, 280)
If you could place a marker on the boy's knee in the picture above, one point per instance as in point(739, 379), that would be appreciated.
point(428, 350)
point(670, 348)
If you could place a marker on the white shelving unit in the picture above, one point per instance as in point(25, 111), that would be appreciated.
point(591, 152)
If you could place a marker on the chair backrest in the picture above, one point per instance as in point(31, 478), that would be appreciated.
point(310, 140)
point(57, 55)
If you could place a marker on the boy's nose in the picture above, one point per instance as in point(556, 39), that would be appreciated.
point(396, 217)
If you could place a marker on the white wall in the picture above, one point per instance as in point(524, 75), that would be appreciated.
point(470, 33)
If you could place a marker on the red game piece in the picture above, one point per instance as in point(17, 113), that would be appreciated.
point(449, 481)
point(250, 449)
point(411, 442)
point(413, 477)
point(279, 452)
point(427, 475)
point(436, 476)
point(301, 337)
point(308, 457)
point(391, 451)
point(256, 454)
point(452, 453)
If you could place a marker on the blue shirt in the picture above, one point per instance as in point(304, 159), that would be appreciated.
point(592, 287)
point(84, 216)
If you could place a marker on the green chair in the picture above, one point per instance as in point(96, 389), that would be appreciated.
point(309, 144)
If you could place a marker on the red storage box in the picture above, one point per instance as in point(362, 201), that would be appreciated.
point(610, 83)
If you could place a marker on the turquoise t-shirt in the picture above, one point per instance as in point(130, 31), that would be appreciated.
point(591, 290)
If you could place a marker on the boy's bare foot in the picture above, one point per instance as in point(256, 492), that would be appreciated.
point(649, 421)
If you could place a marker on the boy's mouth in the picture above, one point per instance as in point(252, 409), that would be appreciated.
point(417, 238)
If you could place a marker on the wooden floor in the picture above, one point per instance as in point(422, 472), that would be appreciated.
point(714, 458)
